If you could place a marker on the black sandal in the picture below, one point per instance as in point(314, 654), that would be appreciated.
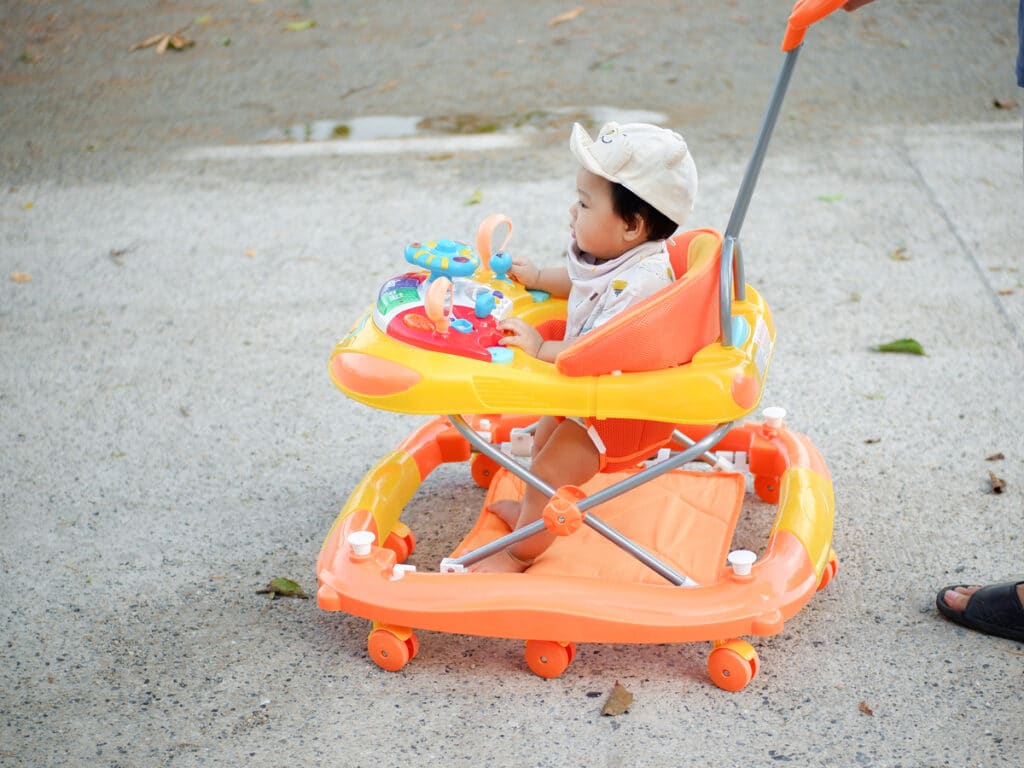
point(994, 610)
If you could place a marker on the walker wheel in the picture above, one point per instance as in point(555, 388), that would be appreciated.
point(830, 570)
point(547, 658)
point(401, 541)
point(389, 651)
point(483, 468)
point(767, 488)
point(732, 664)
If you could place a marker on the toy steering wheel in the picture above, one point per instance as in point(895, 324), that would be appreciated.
point(444, 258)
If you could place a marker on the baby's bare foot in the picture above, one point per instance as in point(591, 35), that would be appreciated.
point(500, 562)
point(507, 510)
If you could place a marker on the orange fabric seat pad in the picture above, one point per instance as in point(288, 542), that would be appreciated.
point(684, 518)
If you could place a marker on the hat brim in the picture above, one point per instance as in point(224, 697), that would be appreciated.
point(580, 144)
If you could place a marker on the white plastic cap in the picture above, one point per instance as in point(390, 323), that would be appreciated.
point(773, 416)
point(741, 560)
point(361, 542)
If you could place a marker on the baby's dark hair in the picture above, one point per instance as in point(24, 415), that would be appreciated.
point(629, 208)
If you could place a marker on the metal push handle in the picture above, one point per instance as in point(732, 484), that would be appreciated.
point(805, 13)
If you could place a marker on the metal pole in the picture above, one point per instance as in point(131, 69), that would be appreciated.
point(730, 242)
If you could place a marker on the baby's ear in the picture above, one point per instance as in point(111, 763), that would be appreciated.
point(636, 230)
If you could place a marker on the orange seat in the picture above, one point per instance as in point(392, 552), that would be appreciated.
point(666, 329)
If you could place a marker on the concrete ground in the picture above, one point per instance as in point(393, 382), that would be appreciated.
point(171, 285)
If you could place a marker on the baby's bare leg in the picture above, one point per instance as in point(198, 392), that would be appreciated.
point(508, 509)
point(567, 457)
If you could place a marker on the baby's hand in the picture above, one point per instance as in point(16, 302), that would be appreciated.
point(521, 334)
point(524, 270)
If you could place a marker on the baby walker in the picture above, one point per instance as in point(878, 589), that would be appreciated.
point(642, 555)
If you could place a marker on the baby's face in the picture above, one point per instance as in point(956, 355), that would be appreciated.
point(597, 229)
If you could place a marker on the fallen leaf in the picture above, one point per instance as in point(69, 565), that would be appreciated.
point(1005, 103)
point(27, 206)
point(283, 587)
point(905, 346)
point(251, 253)
point(997, 483)
point(298, 26)
point(390, 85)
point(148, 42)
point(995, 457)
point(567, 16)
point(476, 198)
point(1006, 292)
point(873, 440)
point(830, 198)
point(866, 709)
point(174, 40)
point(899, 254)
point(618, 701)
point(180, 42)
point(21, 277)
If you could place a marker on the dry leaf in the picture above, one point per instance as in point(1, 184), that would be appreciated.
point(251, 253)
point(1004, 103)
point(298, 26)
point(1006, 292)
point(995, 457)
point(900, 254)
point(618, 701)
point(180, 42)
point(873, 440)
point(148, 42)
point(21, 277)
point(390, 85)
point(866, 709)
point(998, 484)
point(174, 40)
point(567, 16)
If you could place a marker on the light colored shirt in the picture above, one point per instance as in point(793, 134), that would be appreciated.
point(603, 289)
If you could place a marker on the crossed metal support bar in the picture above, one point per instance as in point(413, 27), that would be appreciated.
point(695, 451)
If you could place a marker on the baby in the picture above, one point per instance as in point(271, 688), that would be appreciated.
point(635, 186)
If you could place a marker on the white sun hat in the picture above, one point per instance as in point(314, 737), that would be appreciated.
point(651, 162)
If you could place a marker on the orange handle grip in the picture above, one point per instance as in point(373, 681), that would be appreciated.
point(435, 303)
point(485, 234)
point(805, 13)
